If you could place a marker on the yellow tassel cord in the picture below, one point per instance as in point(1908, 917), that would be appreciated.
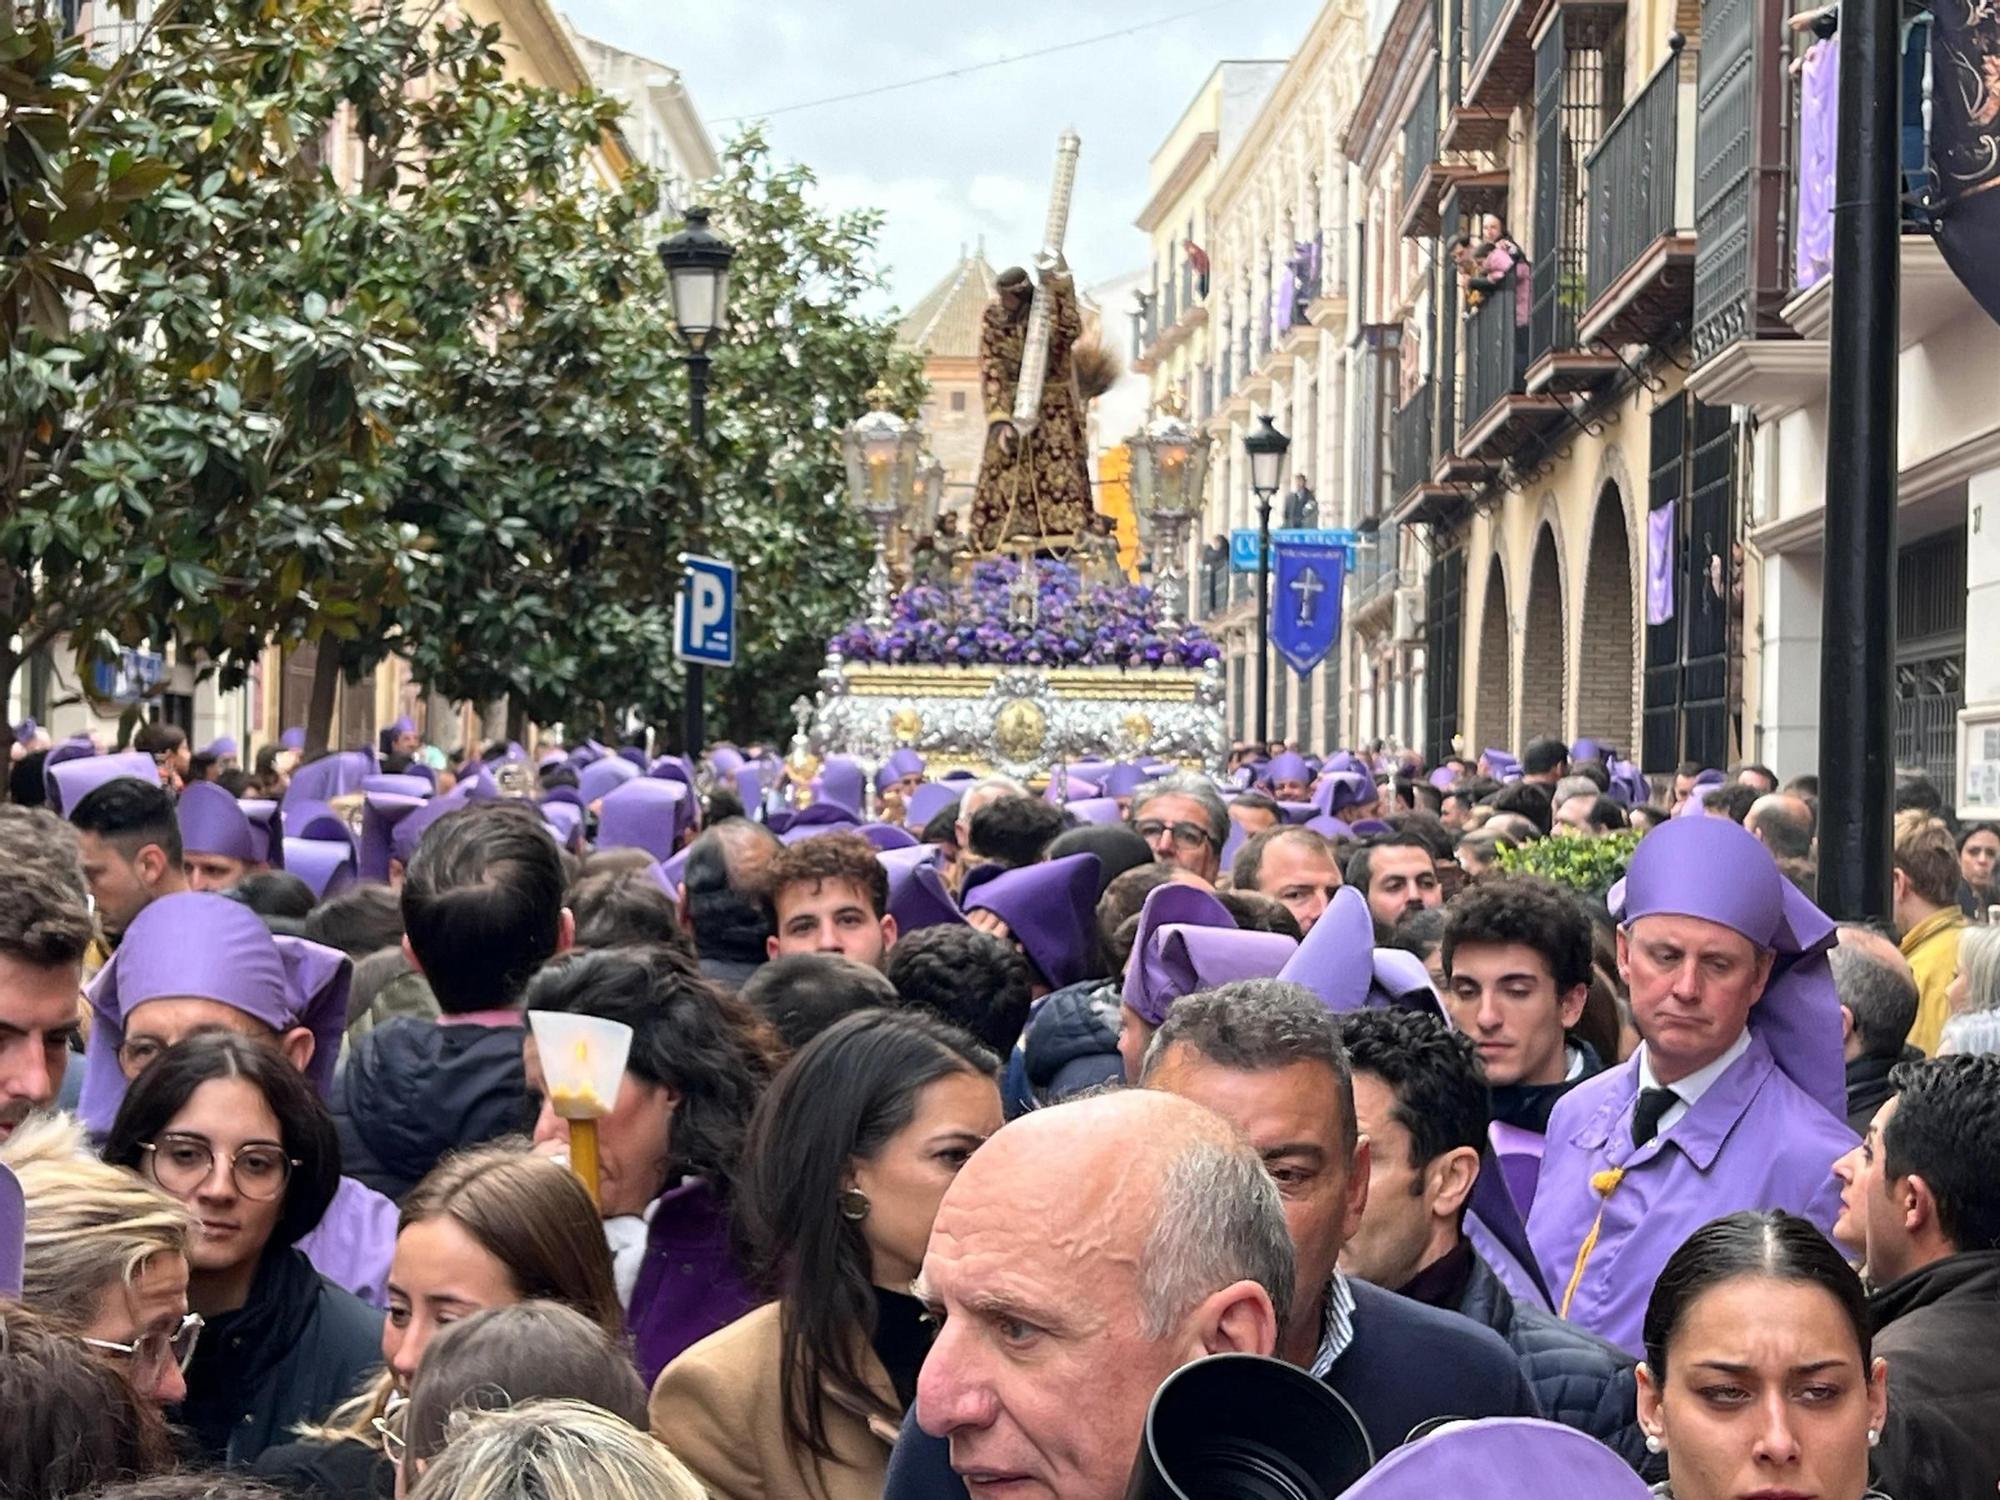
point(1602, 1183)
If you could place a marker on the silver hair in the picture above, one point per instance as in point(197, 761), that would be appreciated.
point(1575, 786)
point(1979, 962)
point(1192, 785)
point(1217, 1220)
point(1006, 786)
point(1974, 1031)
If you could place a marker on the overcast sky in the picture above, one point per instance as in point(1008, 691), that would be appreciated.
point(952, 160)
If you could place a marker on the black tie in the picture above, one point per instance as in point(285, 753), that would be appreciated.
point(1649, 1111)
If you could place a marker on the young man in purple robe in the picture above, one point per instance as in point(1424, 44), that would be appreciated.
point(1736, 1098)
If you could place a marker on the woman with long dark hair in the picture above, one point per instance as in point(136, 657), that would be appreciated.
point(1759, 1377)
point(232, 1130)
point(669, 1149)
point(849, 1156)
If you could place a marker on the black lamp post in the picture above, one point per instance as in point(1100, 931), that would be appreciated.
point(1267, 448)
point(697, 261)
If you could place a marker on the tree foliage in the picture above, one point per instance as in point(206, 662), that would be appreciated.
point(314, 326)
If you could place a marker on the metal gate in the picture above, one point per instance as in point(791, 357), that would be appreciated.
point(1930, 656)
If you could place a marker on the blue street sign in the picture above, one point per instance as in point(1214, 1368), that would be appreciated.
point(133, 678)
point(705, 612)
point(1243, 544)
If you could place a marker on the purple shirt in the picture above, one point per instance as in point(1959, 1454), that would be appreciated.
point(689, 1284)
point(354, 1242)
point(1755, 1140)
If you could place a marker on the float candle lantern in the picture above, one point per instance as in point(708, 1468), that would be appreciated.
point(583, 1063)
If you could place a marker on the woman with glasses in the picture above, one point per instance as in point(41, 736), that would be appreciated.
point(849, 1155)
point(105, 1256)
point(236, 1134)
point(487, 1228)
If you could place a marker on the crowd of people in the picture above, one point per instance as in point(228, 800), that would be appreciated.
point(960, 1114)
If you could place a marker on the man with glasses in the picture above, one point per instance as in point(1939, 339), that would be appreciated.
point(1185, 822)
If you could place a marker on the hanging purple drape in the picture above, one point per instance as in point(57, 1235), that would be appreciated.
point(1660, 563)
point(1819, 123)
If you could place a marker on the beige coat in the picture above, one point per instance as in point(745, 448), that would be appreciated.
point(718, 1407)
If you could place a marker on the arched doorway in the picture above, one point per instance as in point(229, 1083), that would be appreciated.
point(1542, 685)
point(1604, 668)
point(1493, 702)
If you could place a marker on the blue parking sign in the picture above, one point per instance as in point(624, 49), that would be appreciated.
point(705, 612)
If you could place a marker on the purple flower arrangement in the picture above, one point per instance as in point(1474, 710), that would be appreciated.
point(1077, 624)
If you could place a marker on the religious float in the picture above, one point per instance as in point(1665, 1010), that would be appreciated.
point(1021, 644)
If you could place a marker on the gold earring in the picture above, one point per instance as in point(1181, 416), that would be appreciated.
point(853, 1205)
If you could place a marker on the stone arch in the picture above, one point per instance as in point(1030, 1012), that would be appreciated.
point(1543, 689)
point(1605, 664)
point(1493, 695)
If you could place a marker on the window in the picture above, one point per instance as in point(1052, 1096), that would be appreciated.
point(958, 400)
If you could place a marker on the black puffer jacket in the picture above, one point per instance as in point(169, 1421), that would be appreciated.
point(1071, 1043)
point(414, 1090)
point(1581, 1380)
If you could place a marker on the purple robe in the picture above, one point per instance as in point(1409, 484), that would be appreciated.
point(354, 1242)
point(689, 1284)
point(1755, 1140)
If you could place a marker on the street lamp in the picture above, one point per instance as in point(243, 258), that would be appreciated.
point(1169, 472)
point(697, 261)
point(882, 451)
point(1267, 448)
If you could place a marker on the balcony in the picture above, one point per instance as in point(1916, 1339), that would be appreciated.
point(1640, 274)
point(1579, 67)
point(1376, 578)
point(1499, 414)
point(1499, 57)
point(1413, 453)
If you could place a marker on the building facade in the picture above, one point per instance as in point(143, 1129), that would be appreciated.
point(1541, 441)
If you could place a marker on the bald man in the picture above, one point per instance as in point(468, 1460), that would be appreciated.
point(1085, 1253)
point(1878, 1005)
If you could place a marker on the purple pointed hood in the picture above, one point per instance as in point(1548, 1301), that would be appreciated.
point(1051, 909)
point(1628, 784)
point(380, 813)
point(1288, 767)
point(1444, 778)
point(1586, 749)
point(329, 777)
point(903, 762)
point(1716, 870)
point(1095, 810)
point(215, 823)
point(843, 783)
point(814, 819)
point(724, 761)
point(1339, 962)
point(565, 821)
point(293, 739)
point(1502, 1456)
point(1122, 780)
point(928, 800)
point(1339, 791)
point(605, 775)
point(917, 894)
point(1188, 942)
point(1064, 787)
point(1333, 828)
point(750, 787)
point(198, 945)
point(68, 782)
point(645, 813)
point(223, 747)
point(405, 784)
point(1297, 814)
point(409, 830)
point(1500, 765)
point(635, 754)
point(327, 865)
point(888, 836)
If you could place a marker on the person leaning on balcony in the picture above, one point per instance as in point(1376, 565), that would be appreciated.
point(1504, 261)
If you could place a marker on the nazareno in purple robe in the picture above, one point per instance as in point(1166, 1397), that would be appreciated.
point(1608, 1215)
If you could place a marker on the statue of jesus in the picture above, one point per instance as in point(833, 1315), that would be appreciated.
point(1033, 488)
